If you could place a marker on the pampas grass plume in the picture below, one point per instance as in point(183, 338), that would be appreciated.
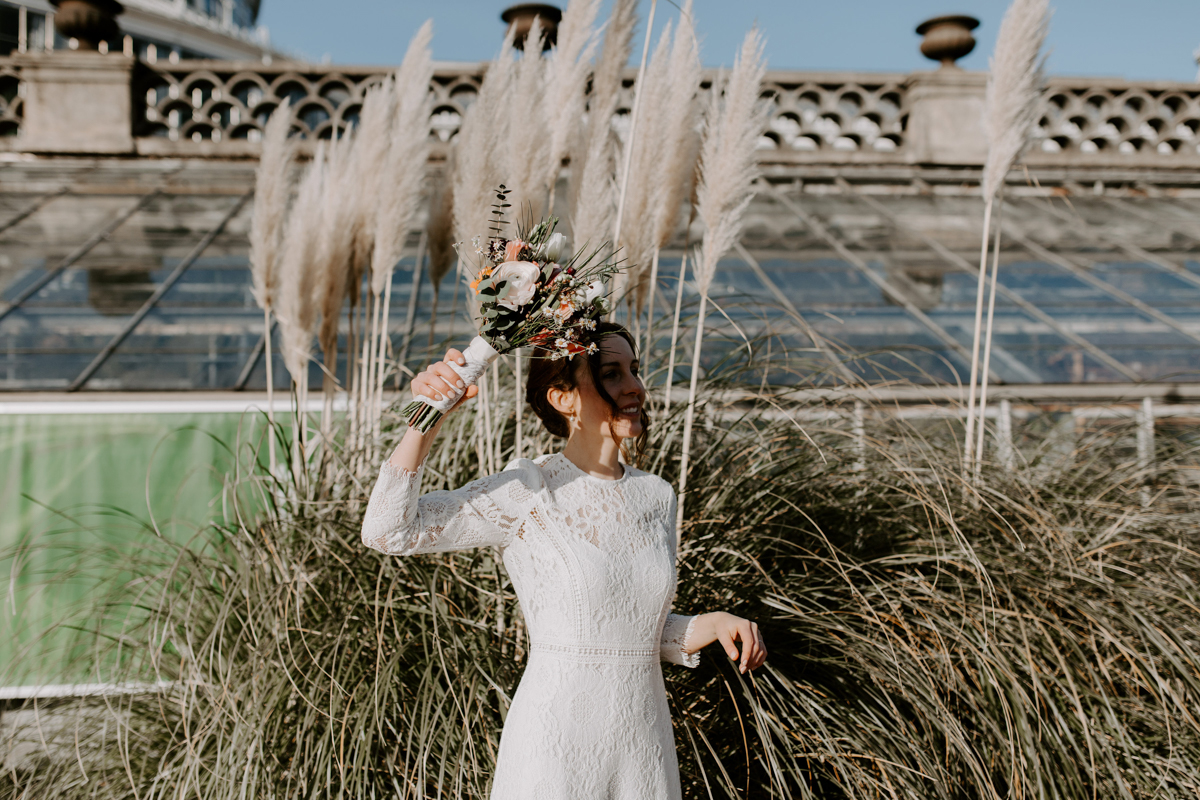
point(526, 146)
point(645, 174)
point(681, 118)
point(1010, 109)
point(593, 179)
point(1014, 88)
point(296, 307)
point(728, 165)
point(370, 149)
point(727, 170)
point(566, 79)
point(441, 231)
point(272, 189)
point(478, 149)
point(334, 245)
point(407, 152)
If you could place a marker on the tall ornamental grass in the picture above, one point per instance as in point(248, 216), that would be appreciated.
point(1032, 634)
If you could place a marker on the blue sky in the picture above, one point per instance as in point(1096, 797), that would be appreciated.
point(1144, 40)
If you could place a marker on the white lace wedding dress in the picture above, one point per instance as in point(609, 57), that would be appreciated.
point(593, 565)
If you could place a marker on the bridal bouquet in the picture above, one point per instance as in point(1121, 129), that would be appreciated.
point(528, 295)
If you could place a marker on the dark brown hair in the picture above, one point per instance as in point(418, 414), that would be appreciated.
point(546, 373)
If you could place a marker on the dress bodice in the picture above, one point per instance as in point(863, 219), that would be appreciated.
point(592, 560)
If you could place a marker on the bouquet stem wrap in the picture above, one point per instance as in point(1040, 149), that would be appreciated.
point(424, 412)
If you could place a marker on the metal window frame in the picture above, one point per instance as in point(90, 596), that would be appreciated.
point(253, 358)
point(816, 338)
point(96, 238)
point(164, 287)
point(32, 208)
point(882, 283)
point(1042, 253)
point(954, 259)
point(1084, 227)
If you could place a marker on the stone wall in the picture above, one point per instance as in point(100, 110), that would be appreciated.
point(88, 103)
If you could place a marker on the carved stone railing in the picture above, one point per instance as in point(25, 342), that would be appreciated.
point(69, 102)
point(12, 100)
point(831, 114)
point(822, 116)
point(1123, 121)
point(216, 101)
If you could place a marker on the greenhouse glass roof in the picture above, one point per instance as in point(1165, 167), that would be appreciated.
point(133, 275)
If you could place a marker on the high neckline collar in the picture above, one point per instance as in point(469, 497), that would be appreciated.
point(571, 465)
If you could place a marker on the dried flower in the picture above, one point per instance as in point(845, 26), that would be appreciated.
point(513, 250)
point(566, 307)
point(496, 249)
point(484, 273)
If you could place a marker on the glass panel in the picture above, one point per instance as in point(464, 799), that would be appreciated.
point(203, 331)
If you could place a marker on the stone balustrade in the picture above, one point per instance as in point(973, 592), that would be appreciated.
point(1090, 118)
point(220, 101)
point(825, 116)
point(218, 108)
point(834, 115)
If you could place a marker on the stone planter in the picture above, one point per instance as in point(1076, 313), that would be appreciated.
point(948, 38)
point(520, 18)
point(87, 21)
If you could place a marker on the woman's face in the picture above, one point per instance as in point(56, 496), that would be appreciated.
point(619, 377)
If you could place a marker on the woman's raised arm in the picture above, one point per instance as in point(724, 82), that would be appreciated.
point(489, 511)
point(399, 521)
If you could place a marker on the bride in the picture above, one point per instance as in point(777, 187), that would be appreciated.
point(589, 543)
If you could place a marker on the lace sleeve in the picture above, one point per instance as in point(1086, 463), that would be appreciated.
point(674, 643)
point(677, 630)
point(488, 511)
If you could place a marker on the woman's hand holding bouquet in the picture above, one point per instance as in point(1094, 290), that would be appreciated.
point(441, 382)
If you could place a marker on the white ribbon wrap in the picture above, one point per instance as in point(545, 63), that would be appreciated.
point(478, 355)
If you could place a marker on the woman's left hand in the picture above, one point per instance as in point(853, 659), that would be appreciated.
point(719, 626)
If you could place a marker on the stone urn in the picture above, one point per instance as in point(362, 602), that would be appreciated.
point(87, 21)
point(520, 20)
point(948, 38)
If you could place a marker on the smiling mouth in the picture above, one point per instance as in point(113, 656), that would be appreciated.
point(632, 412)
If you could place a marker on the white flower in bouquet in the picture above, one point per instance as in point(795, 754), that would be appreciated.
point(593, 290)
point(554, 246)
point(522, 278)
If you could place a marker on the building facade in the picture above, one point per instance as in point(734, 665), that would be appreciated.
point(862, 241)
point(151, 30)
